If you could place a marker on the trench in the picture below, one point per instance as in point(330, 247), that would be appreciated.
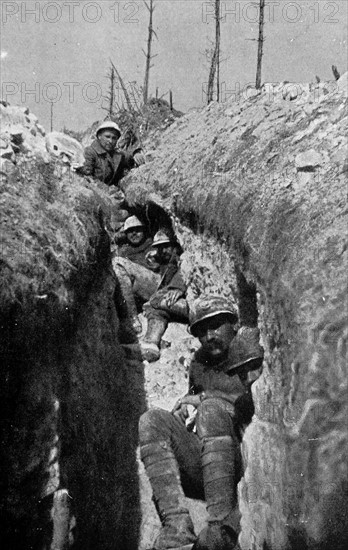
point(283, 250)
point(254, 225)
point(72, 391)
point(207, 268)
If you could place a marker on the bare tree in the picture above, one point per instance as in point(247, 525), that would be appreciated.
point(215, 60)
point(51, 125)
point(260, 45)
point(124, 88)
point(148, 56)
point(217, 38)
point(111, 95)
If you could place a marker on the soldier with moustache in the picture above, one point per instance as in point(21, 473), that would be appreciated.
point(203, 459)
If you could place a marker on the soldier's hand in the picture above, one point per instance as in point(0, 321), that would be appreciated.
point(139, 158)
point(181, 413)
point(172, 296)
point(193, 400)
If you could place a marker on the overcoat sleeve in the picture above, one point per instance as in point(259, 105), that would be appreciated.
point(88, 169)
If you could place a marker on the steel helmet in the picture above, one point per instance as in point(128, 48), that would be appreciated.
point(209, 306)
point(131, 222)
point(161, 237)
point(246, 349)
point(108, 125)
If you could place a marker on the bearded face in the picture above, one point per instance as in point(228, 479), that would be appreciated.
point(215, 335)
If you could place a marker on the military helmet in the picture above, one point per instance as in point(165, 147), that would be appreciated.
point(210, 306)
point(245, 348)
point(161, 237)
point(132, 222)
point(108, 125)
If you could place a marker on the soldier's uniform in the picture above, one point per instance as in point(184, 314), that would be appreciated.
point(145, 277)
point(205, 462)
point(137, 277)
point(168, 303)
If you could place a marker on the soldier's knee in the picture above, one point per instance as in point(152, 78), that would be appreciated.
point(151, 312)
point(154, 425)
point(121, 273)
point(214, 418)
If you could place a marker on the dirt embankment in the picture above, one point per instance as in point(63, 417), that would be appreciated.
point(70, 397)
point(267, 177)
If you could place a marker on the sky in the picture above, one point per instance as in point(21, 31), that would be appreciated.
point(58, 52)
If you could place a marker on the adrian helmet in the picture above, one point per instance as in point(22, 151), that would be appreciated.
point(246, 349)
point(209, 306)
point(108, 125)
point(161, 237)
point(132, 222)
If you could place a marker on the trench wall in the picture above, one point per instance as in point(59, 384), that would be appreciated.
point(70, 394)
point(266, 177)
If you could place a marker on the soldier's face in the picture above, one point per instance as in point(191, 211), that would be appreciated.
point(135, 236)
point(165, 252)
point(215, 335)
point(108, 139)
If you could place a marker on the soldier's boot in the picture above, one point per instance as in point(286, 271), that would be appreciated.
point(150, 345)
point(177, 532)
point(219, 477)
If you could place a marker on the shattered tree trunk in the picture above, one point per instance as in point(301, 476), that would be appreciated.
point(111, 96)
point(112, 92)
point(124, 89)
point(260, 45)
point(148, 55)
point(215, 61)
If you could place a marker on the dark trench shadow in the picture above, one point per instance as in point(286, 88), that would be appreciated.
point(104, 386)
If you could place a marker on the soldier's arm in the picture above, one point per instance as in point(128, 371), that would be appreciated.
point(88, 168)
point(191, 398)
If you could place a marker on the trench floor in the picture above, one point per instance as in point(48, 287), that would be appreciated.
point(165, 381)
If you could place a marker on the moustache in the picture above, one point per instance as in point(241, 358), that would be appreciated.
point(214, 343)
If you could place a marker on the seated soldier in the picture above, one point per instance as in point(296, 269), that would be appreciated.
point(168, 303)
point(136, 275)
point(204, 461)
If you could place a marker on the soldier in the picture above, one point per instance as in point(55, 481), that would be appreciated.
point(168, 303)
point(204, 461)
point(136, 275)
point(104, 161)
